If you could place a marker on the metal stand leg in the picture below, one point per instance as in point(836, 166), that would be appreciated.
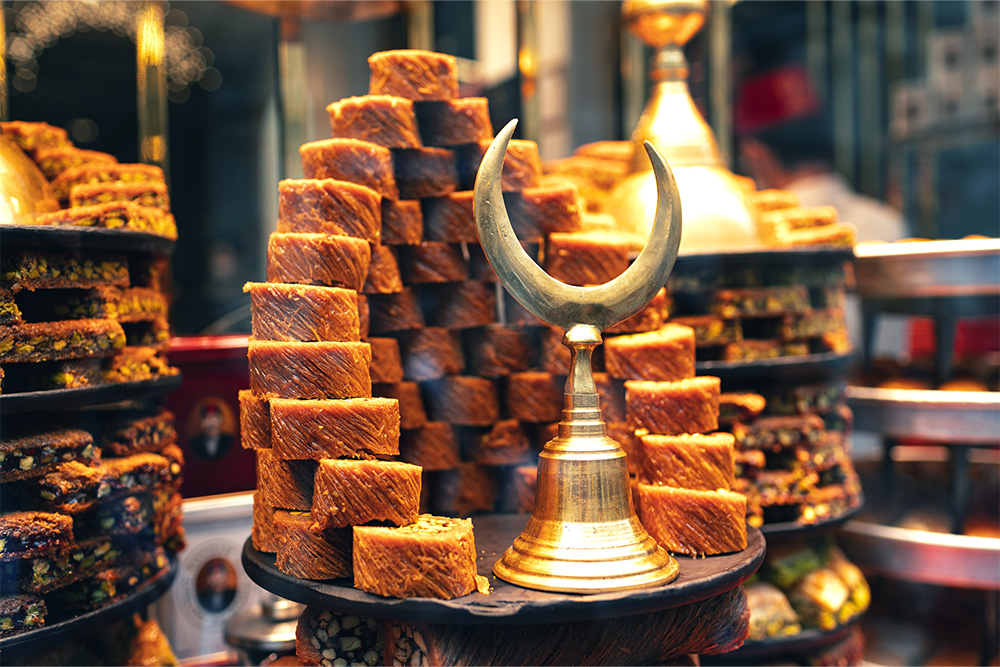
point(991, 628)
point(944, 343)
point(869, 327)
point(959, 491)
point(887, 470)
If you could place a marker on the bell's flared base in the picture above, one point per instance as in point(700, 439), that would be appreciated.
point(585, 558)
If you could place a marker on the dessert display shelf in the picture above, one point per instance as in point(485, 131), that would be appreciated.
point(57, 399)
point(74, 239)
point(57, 632)
point(86, 286)
point(801, 642)
point(945, 417)
point(901, 537)
point(699, 579)
point(922, 556)
point(950, 268)
point(772, 323)
point(801, 367)
point(786, 529)
point(945, 280)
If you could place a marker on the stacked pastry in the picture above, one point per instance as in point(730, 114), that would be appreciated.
point(748, 311)
point(90, 188)
point(793, 452)
point(336, 319)
point(77, 319)
point(805, 583)
point(783, 222)
point(684, 467)
point(432, 302)
point(595, 168)
point(91, 509)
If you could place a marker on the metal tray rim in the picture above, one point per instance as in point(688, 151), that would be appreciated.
point(56, 237)
point(521, 606)
point(947, 248)
point(34, 401)
point(923, 398)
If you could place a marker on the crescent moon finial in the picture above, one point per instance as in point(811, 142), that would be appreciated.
point(554, 301)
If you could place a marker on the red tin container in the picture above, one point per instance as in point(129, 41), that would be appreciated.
point(207, 412)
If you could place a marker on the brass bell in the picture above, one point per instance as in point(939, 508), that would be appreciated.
point(583, 535)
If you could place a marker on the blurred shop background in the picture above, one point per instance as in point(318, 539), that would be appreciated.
point(900, 98)
point(896, 101)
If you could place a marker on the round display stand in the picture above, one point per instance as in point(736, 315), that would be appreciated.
point(699, 578)
point(101, 241)
point(75, 239)
point(801, 642)
point(53, 399)
point(943, 417)
point(803, 367)
point(799, 529)
point(56, 634)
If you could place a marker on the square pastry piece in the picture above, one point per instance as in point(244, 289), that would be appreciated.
point(434, 557)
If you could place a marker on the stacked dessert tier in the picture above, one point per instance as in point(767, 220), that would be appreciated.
point(91, 510)
point(772, 325)
point(794, 452)
point(91, 507)
point(753, 308)
point(72, 317)
point(336, 320)
point(90, 188)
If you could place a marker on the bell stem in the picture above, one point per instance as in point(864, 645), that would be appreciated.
point(581, 408)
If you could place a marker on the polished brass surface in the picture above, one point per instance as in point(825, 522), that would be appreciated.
point(151, 86)
point(660, 22)
point(583, 535)
point(23, 189)
point(716, 215)
point(323, 10)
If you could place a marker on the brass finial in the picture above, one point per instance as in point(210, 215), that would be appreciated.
point(716, 216)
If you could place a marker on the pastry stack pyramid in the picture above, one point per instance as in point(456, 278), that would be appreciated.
point(430, 295)
point(384, 221)
point(341, 340)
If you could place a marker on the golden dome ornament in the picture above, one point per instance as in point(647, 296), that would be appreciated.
point(583, 535)
point(716, 215)
point(24, 192)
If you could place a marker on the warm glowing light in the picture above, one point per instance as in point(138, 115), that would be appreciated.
point(154, 149)
point(526, 62)
point(177, 47)
point(149, 36)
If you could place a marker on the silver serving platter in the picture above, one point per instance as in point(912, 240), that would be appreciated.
point(922, 556)
point(963, 267)
point(947, 417)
